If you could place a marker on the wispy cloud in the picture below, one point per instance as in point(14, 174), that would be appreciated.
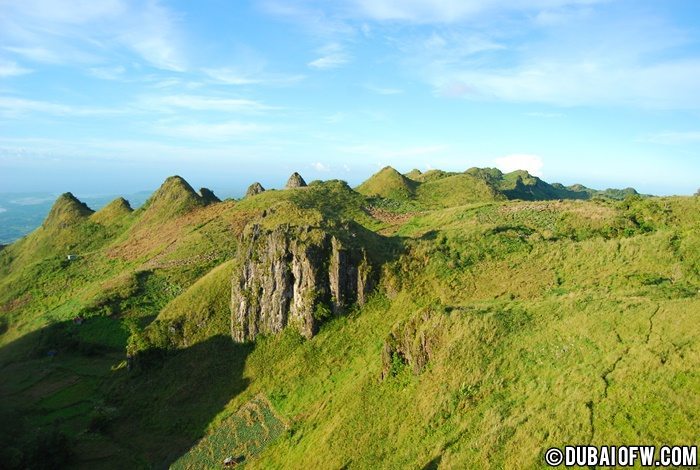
point(204, 103)
point(321, 167)
point(317, 18)
point(383, 90)
point(108, 73)
point(531, 163)
point(450, 11)
point(541, 114)
point(219, 131)
point(13, 107)
point(232, 76)
point(37, 54)
point(11, 69)
point(332, 56)
point(673, 138)
point(384, 152)
point(590, 60)
point(335, 118)
point(89, 32)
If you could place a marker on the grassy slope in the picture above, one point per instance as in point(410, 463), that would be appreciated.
point(567, 334)
point(388, 183)
point(561, 322)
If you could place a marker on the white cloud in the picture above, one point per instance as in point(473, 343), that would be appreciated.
point(383, 152)
point(210, 131)
point(314, 18)
point(204, 103)
point(92, 32)
point(151, 31)
point(450, 11)
point(318, 166)
point(332, 56)
point(11, 69)
point(595, 59)
point(531, 163)
point(232, 76)
point(36, 54)
point(569, 83)
point(541, 114)
point(673, 138)
point(383, 90)
point(108, 73)
point(12, 107)
point(335, 118)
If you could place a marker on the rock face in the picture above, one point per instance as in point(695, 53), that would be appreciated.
point(412, 343)
point(296, 276)
point(253, 189)
point(208, 196)
point(295, 181)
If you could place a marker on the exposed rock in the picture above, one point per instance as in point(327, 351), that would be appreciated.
point(208, 196)
point(253, 189)
point(298, 276)
point(412, 343)
point(295, 181)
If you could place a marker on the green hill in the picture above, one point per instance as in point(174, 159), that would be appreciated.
point(388, 183)
point(451, 190)
point(174, 197)
point(67, 210)
point(436, 320)
point(113, 213)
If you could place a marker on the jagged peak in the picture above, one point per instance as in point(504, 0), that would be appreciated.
point(295, 181)
point(67, 210)
point(524, 175)
point(413, 174)
point(175, 196)
point(253, 189)
point(388, 169)
point(208, 196)
point(115, 210)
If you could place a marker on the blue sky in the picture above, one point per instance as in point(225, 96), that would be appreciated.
point(112, 96)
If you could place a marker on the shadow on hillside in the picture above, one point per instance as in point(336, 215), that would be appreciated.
point(147, 416)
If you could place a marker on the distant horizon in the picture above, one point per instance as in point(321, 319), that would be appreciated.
point(238, 191)
point(112, 97)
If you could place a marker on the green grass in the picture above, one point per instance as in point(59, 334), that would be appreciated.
point(545, 323)
point(242, 436)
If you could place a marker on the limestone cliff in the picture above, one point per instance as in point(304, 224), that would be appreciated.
point(297, 276)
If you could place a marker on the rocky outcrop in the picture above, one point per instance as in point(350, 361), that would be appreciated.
point(295, 181)
point(296, 276)
point(253, 189)
point(412, 343)
point(208, 196)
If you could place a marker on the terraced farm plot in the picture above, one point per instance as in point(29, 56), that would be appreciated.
point(241, 436)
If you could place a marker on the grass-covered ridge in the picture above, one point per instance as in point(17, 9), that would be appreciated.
point(511, 316)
